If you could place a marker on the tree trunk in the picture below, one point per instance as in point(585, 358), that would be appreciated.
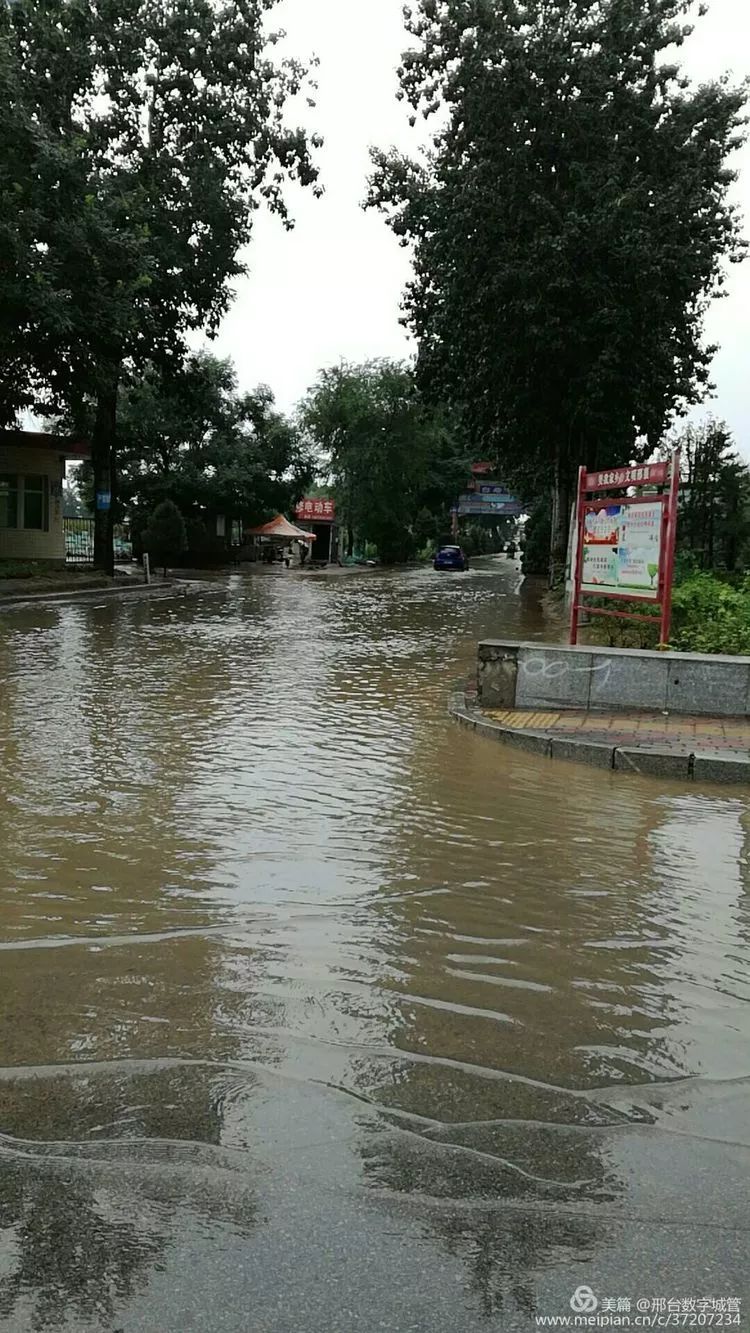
point(350, 541)
point(561, 499)
point(104, 469)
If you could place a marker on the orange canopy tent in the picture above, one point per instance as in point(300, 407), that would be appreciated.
point(282, 530)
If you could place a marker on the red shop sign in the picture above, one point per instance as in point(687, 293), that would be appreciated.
point(322, 511)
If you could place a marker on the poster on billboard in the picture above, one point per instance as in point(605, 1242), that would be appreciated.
point(622, 550)
point(625, 544)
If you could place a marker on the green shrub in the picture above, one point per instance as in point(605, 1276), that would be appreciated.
point(711, 616)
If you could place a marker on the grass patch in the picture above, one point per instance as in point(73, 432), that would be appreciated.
point(22, 569)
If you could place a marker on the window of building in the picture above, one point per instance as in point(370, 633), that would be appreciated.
point(24, 502)
point(8, 500)
point(36, 503)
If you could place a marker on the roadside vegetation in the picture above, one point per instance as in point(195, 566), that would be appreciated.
point(138, 143)
point(710, 614)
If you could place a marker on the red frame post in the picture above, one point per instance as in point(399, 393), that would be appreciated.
point(576, 607)
point(671, 547)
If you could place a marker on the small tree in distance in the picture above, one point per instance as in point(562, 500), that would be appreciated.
point(166, 535)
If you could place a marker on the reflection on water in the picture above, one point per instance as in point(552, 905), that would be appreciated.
point(278, 943)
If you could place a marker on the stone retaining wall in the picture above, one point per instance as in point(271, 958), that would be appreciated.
point(534, 675)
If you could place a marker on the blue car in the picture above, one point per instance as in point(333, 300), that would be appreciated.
point(451, 557)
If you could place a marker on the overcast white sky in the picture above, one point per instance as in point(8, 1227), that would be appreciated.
point(331, 288)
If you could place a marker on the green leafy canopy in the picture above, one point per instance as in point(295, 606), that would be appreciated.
point(142, 135)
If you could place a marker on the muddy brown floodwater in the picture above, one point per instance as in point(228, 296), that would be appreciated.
point(318, 1013)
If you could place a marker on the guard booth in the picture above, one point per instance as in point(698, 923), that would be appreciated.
point(319, 518)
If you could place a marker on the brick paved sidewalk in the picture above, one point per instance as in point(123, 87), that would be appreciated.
point(673, 732)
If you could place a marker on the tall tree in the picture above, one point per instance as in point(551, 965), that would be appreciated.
point(390, 456)
point(155, 128)
point(568, 225)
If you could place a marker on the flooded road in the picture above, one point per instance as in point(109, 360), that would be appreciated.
point(320, 1013)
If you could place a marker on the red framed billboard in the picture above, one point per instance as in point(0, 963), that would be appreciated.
point(625, 543)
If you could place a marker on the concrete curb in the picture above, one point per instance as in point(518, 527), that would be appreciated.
point(128, 592)
point(583, 751)
point(657, 762)
point(704, 766)
point(37, 594)
point(535, 742)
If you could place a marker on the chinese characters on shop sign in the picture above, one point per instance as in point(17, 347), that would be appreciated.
point(323, 510)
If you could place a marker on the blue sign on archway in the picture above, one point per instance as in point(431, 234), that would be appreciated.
point(491, 498)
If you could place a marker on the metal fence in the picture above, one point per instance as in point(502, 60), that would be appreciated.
point(79, 541)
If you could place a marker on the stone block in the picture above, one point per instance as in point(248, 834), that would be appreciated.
point(540, 676)
point(491, 649)
point(653, 762)
point(629, 680)
point(716, 766)
point(497, 673)
point(585, 752)
point(553, 677)
point(533, 742)
point(715, 687)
